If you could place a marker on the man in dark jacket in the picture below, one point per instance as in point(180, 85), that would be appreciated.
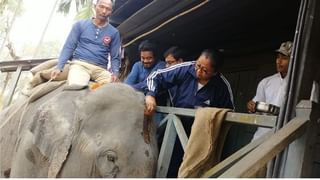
point(199, 84)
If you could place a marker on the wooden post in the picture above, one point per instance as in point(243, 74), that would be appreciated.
point(166, 150)
point(181, 132)
point(14, 83)
point(260, 156)
point(298, 161)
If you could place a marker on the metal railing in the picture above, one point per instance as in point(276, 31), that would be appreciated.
point(17, 67)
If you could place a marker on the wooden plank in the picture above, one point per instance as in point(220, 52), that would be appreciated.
point(177, 111)
point(228, 162)
point(294, 158)
point(299, 154)
point(258, 158)
point(166, 150)
point(164, 121)
point(243, 118)
point(315, 171)
point(180, 130)
point(13, 86)
point(252, 119)
point(11, 66)
point(317, 155)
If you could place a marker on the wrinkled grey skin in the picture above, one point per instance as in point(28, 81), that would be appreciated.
point(86, 134)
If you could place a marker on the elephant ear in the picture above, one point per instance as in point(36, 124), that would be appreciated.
point(53, 134)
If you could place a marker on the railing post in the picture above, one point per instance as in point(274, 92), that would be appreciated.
point(13, 86)
point(166, 149)
point(297, 163)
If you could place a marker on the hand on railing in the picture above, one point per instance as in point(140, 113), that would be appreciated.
point(150, 105)
point(251, 106)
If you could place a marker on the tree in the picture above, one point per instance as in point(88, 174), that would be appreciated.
point(83, 7)
point(9, 10)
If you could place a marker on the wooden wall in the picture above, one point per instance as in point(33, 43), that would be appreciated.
point(316, 162)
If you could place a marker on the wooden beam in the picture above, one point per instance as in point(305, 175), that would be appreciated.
point(11, 66)
point(166, 150)
point(243, 118)
point(261, 155)
point(299, 158)
point(177, 111)
point(163, 122)
point(217, 170)
point(13, 86)
point(180, 131)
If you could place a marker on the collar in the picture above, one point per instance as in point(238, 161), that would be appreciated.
point(279, 76)
point(105, 24)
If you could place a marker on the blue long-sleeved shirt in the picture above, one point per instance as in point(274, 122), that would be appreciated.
point(139, 73)
point(216, 93)
point(91, 44)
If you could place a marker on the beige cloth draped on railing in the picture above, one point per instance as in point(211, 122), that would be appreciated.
point(202, 151)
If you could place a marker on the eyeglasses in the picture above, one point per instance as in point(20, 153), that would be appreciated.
point(202, 69)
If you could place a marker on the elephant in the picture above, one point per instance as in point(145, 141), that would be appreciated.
point(82, 133)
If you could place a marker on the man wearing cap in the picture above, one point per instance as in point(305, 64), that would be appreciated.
point(272, 89)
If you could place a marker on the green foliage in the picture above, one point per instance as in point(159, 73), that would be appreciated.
point(64, 5)
point(86, 12)
point(11, 6)
point(3, 5)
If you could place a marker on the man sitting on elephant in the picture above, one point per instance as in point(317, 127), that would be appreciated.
point(88, 45)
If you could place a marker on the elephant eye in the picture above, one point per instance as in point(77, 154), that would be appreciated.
point(110, 155)
point(111, 158)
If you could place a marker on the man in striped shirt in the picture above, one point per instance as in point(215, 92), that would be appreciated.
point(199, 84)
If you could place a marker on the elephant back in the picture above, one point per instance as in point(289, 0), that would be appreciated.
point(85, 133)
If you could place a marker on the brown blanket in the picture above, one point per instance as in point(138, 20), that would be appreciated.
point(202, 152)
point(43, 75)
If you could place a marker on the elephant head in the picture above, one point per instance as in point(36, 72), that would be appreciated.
point(92, 134)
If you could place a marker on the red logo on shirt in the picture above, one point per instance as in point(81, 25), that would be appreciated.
point(106, 40)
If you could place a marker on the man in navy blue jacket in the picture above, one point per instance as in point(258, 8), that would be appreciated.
point(199, 84)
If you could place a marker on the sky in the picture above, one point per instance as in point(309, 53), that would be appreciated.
point(29, 26)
